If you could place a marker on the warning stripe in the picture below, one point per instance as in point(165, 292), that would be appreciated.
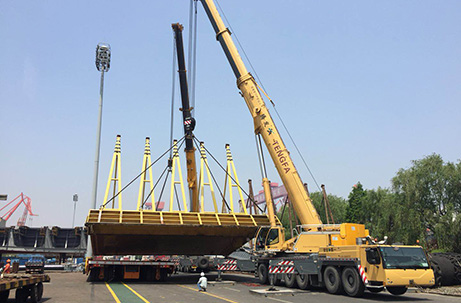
point(228, 265)
point(363, 275)
point(286, 263)
point(282, 267)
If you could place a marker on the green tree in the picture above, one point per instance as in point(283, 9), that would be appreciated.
point(338, 207)
point(354, 211)
point(429, 196)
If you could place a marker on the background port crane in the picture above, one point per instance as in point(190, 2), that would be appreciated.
point(21, 199)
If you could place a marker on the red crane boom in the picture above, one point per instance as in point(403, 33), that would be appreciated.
point(22, 199)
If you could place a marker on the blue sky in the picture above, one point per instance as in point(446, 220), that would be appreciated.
point(364, 88)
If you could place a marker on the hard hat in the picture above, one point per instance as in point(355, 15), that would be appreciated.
point(8, 261)
point(202, 274)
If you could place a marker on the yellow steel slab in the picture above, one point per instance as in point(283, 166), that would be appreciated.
point(115, 232)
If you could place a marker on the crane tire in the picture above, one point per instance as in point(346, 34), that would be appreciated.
point(263, 273)
point(397, 290)
point(444, 270)
point(375, 290)
point(352, 284)
point(332, 279)
point(290, 280)
point(303, 281)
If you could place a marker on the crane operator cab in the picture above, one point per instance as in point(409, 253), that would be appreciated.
point(269, 238)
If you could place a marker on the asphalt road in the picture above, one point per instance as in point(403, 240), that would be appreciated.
point(182, 288)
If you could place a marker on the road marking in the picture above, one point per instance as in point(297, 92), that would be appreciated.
point(113, 293)
point(280, 300)
point(133, 291)
point(206, 293)
point(231, 288)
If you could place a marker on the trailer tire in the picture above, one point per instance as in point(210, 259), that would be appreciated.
point(33, 291)
point(263, 273)
point(303, 281)
point(397, 290)
point(290, 280)
point(21, 295)
point(40, 291)
point(4, 296)
point(332, 280)
point(203, 263)
point(163, 274)
point(352, 284)
point(150, 274)
point(93, 276)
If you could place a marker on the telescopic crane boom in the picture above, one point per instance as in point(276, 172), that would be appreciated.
point(189, 121)
point(264, 125)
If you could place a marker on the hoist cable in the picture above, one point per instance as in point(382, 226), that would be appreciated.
point(262, 156)
point(168, 167)
point(163, 186)
point(296, 146)
point(263, 89)
point(259, 156)
point(212, 176)
point(238, 42)
point(152, 190)
point(227, 174)
point(177, 197)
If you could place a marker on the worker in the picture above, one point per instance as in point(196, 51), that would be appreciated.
point(7, 267)
point(202, 282)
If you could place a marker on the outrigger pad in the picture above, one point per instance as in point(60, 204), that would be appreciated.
point(115, 232)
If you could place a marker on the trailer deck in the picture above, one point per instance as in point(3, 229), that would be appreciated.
point(26, 286)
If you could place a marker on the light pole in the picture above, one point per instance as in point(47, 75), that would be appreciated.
point(75, 199)
point(103, 65)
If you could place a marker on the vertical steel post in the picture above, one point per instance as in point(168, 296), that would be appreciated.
point(75, 199)
point(102, 61)
point(98, 143)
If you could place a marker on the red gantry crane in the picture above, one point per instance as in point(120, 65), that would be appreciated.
point(21, 199)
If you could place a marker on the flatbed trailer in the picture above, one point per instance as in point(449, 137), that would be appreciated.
point(26, 286)
point(108, 270)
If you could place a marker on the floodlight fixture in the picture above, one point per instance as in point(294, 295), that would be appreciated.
point(103, 57)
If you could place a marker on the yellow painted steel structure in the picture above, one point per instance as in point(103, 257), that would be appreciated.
point(230, 168)
point(119, 232)
point(115, 176)
point(176, 165)
point(204, 168)
point(146, 177)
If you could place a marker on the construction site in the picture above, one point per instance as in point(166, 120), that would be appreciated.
point(188, 223)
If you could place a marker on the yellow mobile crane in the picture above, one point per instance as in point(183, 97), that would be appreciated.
point(340, 257)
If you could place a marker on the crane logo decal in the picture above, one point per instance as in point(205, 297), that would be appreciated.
point(281, 156)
